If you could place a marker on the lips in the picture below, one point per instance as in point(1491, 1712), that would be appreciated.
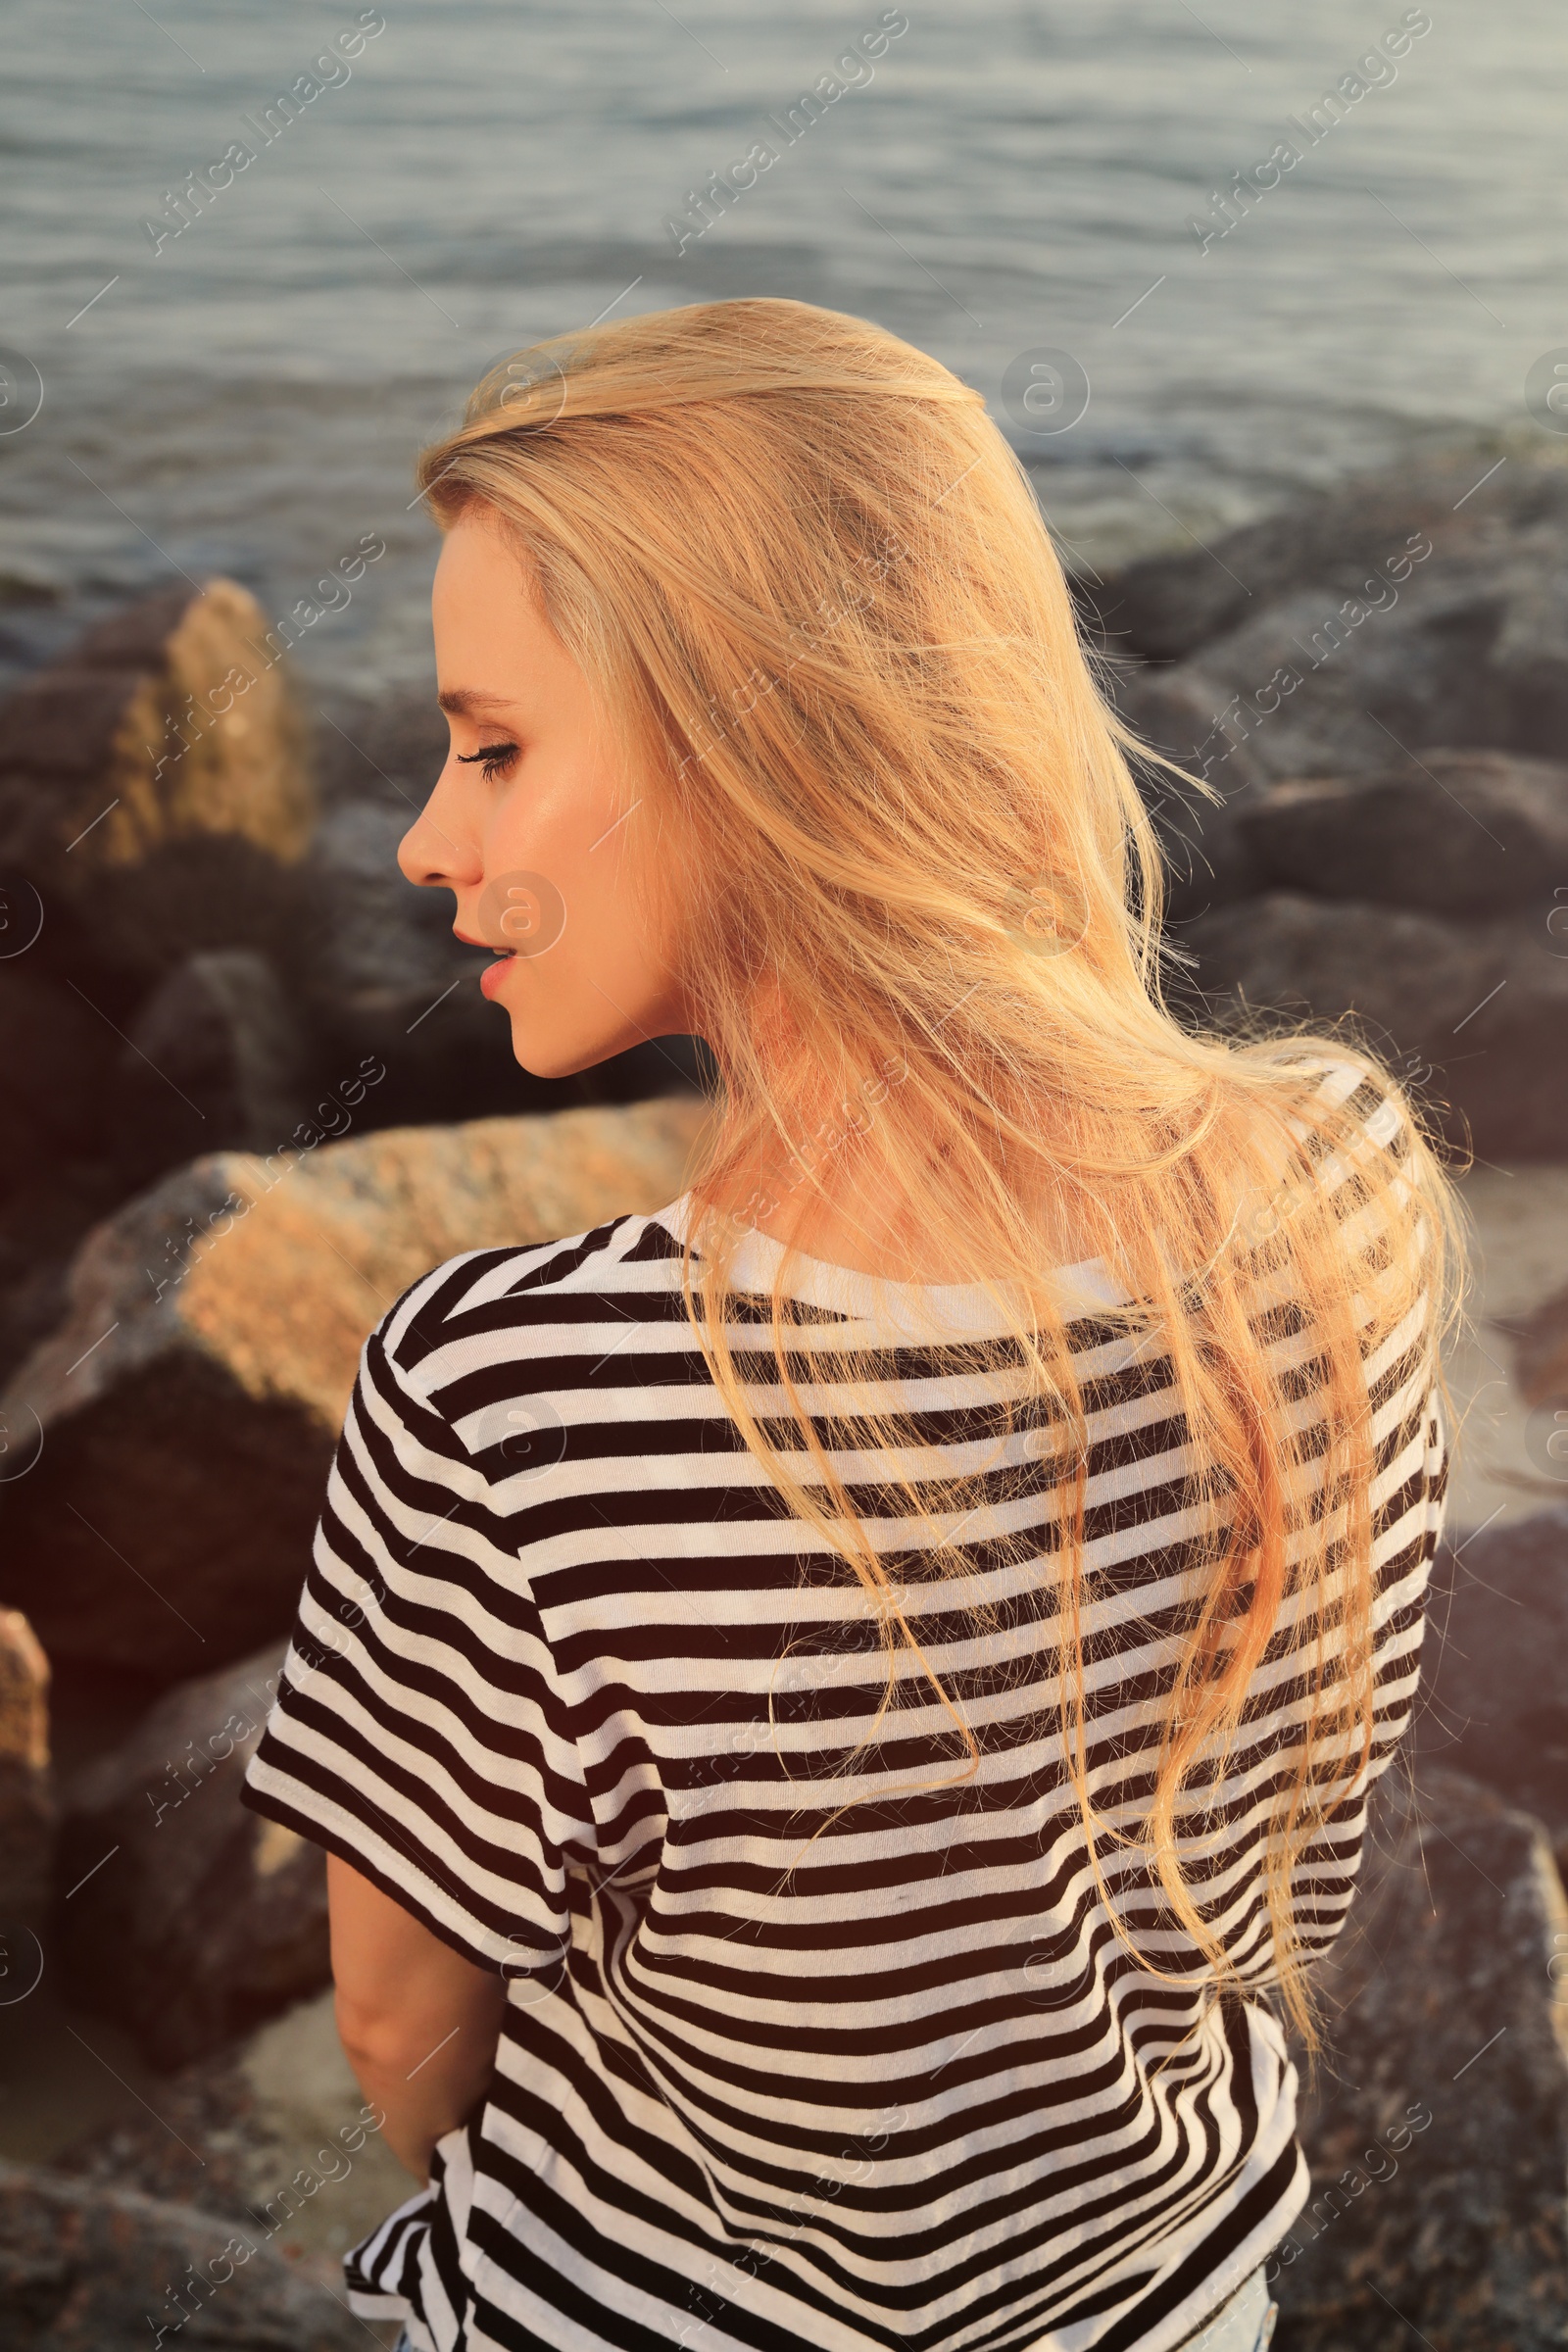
point(490, 978)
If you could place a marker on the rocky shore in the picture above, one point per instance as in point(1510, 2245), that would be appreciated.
point(1376, 683)
point(253, 1091)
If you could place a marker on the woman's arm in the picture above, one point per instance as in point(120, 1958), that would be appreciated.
point(418, 2023)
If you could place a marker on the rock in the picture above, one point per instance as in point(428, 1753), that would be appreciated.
point(41, 1226)
point(154, 779)
point(1472, 1016)
point(1438, 2133)
point(1414, 609)
point(1209, 858)
point(192, 1399)
point(1165, 607)
point(1305, 693)
point(448, 1057)
point(389, 750)
point(373, 929)
point(160, 1865)
point(1541, 1354)
point(57, 1060)
point(1312, 691)
point(26, 1794)
point(215, 1058)
point(236, 2132)
point(1464, 833)
point(1495, 1701)
point(85, 2269)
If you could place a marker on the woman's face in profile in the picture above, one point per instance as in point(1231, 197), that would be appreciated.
point(532, 825)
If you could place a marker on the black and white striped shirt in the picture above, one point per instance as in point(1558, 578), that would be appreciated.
point(572, 1684)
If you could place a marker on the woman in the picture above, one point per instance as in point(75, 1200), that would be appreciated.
point(841, 1712)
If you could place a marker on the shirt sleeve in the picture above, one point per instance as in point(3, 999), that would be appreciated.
point(1407, 1498)
point(1408, 1488)
point(418, 1730)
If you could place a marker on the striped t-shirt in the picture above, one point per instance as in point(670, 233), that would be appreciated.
point(572, 1684)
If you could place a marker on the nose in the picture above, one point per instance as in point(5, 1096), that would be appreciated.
point(432, 852)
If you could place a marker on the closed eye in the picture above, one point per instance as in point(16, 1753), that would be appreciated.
point(497, 758)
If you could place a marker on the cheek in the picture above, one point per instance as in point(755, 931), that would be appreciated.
point(541, 824)
point(570, 848)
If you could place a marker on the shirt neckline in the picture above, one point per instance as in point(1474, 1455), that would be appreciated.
point(1086, 1287)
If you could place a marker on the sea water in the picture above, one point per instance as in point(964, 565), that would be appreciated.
point(1043, 195)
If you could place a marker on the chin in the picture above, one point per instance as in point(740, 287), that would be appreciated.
point(563, 1058)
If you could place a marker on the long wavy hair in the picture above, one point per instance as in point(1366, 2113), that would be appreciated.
point(921, 897)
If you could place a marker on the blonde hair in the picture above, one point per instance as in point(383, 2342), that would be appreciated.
point(812, 585)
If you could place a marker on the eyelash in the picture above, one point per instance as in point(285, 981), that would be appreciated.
point(497, 757)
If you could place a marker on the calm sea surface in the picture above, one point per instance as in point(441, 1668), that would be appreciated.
point(1009, 179)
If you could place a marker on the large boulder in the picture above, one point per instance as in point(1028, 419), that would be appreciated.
point(1460, 833)
point(213, 1058)
point(160, 1865)
point(1416, 609)
point(1487, 589)
point(153, 779)
point(372, 928)
point(1165, 608)
point(190, 1400)
point(89, 2269)
point(1496, 1699)
point(274, 2128)
point(389, 747)
point(1541, 1363)
point(1437, 2128)
point(1474, 1014)
point(26, 1793)
point(448, 1057)
point(1208, 859)
point(57, 1062)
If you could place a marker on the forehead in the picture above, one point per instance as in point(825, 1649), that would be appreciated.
point(488, 620)
point(478, 550)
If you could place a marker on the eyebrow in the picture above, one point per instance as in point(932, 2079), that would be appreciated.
point(466, 702)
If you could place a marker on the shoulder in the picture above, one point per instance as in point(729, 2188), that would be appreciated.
point(525, 1302)
point(1389, 1245)
point(1346, 1116)
point(1339, 1187)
